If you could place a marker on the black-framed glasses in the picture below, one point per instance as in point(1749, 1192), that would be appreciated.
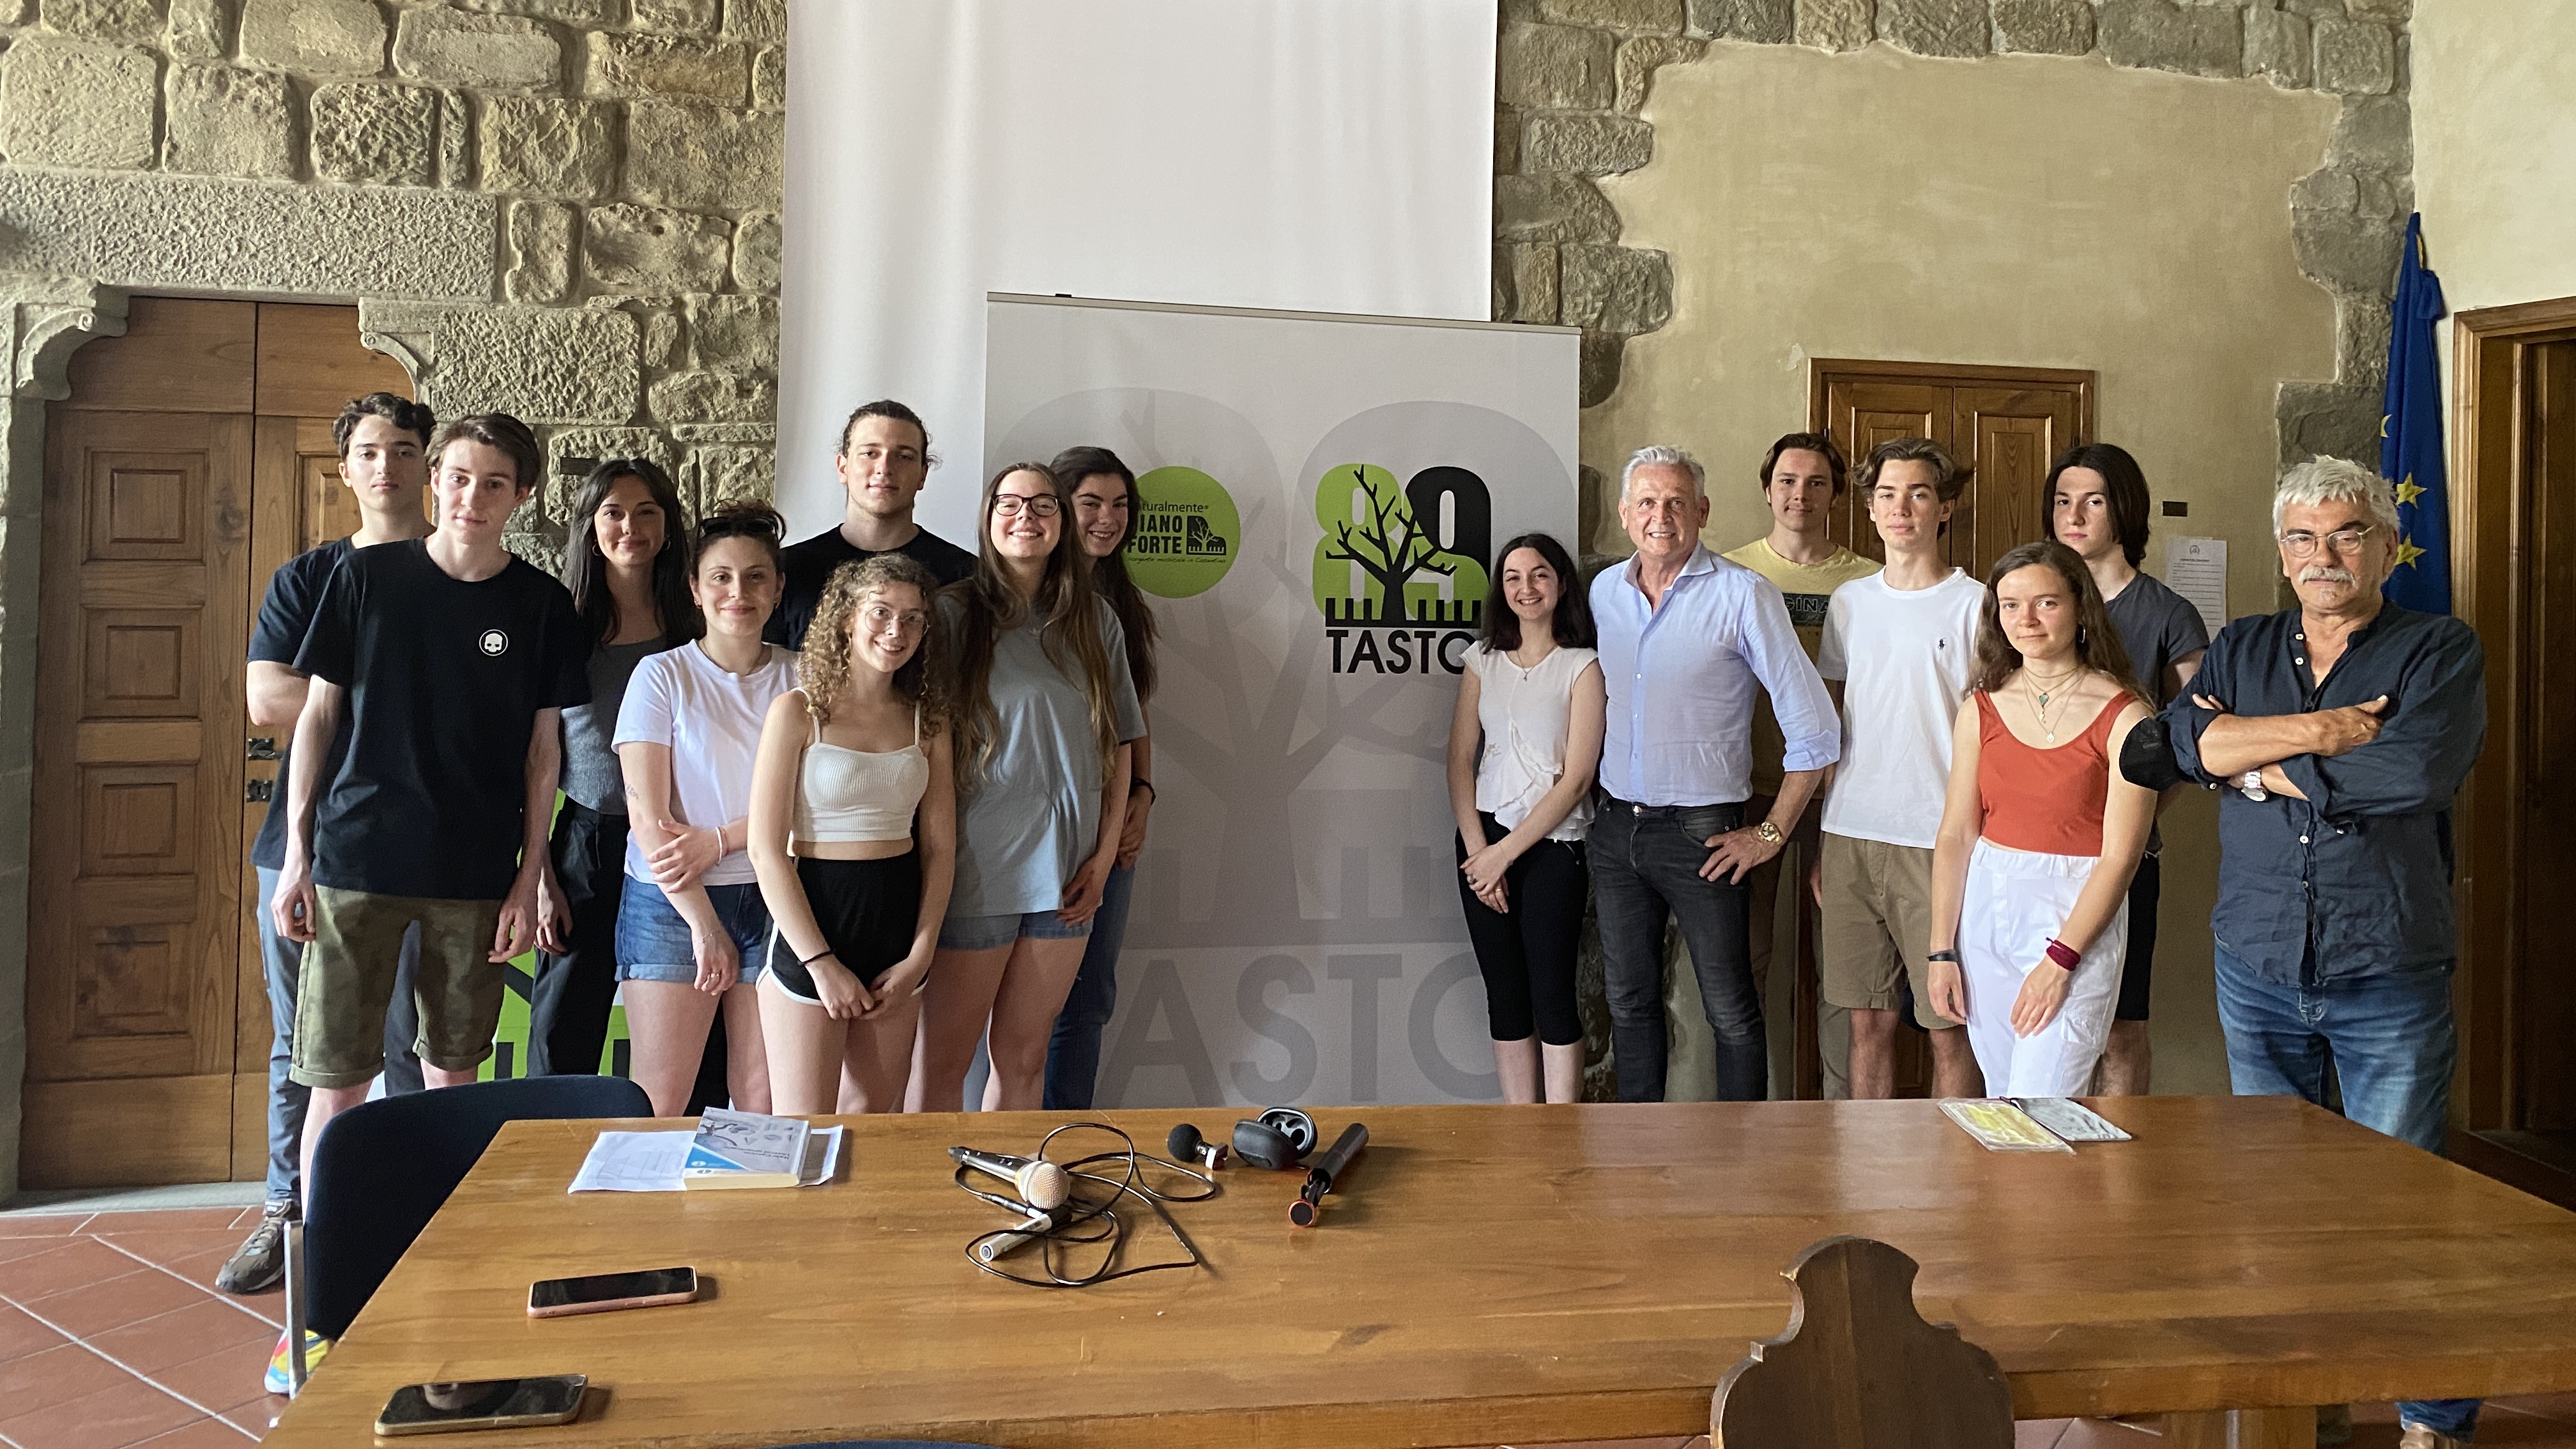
point(1039, 505)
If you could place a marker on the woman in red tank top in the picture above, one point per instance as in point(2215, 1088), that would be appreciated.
point(2040, 834)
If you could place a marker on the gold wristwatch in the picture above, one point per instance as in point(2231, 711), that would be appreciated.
point(1768, 833)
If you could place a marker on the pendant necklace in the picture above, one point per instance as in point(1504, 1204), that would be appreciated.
point(2042, 693)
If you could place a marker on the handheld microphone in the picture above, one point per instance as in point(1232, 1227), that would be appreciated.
point(1186, 1145)
point(1040, 1183)
point(1320, 1173)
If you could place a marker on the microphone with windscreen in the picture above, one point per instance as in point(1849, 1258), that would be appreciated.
point(1040, 1183)
point(1186, 1145)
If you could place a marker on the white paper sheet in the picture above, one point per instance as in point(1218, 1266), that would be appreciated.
point(650, 1161)
point(2196, 568)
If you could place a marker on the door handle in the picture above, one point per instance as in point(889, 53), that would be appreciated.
point(260, 747)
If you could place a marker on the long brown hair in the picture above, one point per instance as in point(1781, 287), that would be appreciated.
point(1067, 611)
point(2097, 642)
point(1109, 577)
point(823, 670)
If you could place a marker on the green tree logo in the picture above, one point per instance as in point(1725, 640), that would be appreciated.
point(1391, 534)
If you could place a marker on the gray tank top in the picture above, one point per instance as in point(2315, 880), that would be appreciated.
point(590, 773)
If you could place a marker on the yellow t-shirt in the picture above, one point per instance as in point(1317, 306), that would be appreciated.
point(1807, 587)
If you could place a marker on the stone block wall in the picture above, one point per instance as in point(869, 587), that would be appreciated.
point(1574, 77)
point(562, 209)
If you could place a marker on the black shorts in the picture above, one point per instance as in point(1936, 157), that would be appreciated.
point(2138, 975)
point(868, 911)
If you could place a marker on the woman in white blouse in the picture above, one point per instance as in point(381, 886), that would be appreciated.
point(1532, 695)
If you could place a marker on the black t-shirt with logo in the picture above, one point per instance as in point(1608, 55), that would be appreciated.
point(277, 638)
point(445, 679)
point(806, 567)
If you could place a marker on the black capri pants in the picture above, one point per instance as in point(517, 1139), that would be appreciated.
point(1527, 956)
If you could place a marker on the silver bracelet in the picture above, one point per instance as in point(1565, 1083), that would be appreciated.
point(2251, 782)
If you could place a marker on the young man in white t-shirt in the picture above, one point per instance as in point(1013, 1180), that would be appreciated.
point(1898, 650)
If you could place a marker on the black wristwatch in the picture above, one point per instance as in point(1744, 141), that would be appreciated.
point(1145, 785)
point(1950, 956)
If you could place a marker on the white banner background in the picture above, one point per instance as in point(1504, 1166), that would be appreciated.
point(1296, 935)
point(1334, 155)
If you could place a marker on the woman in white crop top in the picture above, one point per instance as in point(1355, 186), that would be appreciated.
point(854, 835)
point(1522, 750)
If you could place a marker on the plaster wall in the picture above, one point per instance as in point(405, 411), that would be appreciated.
point(2495, 153)
point(2019, 210)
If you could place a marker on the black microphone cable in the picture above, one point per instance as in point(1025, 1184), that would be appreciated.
point(1091, 1218)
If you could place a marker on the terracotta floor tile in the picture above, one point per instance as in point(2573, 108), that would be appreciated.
point(21, 1335)
point(109, 1419)
point(170, 1247)
point(221, 1381)
point(163, 1220)
point(90, 1308)
point(2546, 1406)
point(201, 1267)
point(77, 1263)
point(12, 1249)
point(54, 1376)
point(203, 1434)
point(41, 1225)
point(2039, 1433)
point(248, 1218)
point(201, 1328)
point(2107, 1434)
point(259, 1416)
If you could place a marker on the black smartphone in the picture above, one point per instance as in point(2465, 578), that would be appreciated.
point(484, 1404)
point(607, 1292)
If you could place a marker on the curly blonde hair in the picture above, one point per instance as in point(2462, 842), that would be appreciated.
point(823, 670)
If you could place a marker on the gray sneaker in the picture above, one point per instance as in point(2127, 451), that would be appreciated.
point(261, 1259)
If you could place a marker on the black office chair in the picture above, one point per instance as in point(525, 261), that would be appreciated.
point(383, 1169)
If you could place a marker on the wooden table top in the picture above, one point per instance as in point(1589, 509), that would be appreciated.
point(1489, 1275)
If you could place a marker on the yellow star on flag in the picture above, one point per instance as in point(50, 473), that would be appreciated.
point(2407, 553)
point(2408, 491)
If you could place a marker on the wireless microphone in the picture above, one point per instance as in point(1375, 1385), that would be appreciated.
point(1186, 1145)
point(1040, 1183)
point(1321, 1172)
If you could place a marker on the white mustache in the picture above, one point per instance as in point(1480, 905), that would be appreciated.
point(2326, 576)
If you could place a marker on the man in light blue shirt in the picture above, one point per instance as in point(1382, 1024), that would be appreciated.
point(1686, 639)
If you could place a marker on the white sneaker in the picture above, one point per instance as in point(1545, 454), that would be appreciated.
point(2419, 1437)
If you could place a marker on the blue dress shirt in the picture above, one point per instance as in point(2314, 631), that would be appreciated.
point(1681, 679)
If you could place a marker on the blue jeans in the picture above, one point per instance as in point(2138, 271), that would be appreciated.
point(282, 963)
point(2393, 1044)
point(654, 942)
point(1645, 872)
point(1073, 1053)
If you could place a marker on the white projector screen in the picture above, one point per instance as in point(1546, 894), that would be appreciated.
point(1315, 155)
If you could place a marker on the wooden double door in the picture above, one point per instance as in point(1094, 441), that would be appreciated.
point(193, 456)
point(2007, 424)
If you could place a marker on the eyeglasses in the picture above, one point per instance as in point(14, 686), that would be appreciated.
point(728, 525)
point(2303, 544)
point(1038, 505)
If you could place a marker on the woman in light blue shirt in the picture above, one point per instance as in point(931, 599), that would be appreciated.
point(1045, 710)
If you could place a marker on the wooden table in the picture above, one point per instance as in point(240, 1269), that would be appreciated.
point(1493, 1275)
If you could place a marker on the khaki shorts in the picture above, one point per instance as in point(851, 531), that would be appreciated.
point(1878, 925)
point(346, 982)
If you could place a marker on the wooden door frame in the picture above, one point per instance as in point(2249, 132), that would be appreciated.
point(2085, 381)
point(2491, 516)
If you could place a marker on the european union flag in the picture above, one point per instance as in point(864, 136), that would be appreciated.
point(2410, 436)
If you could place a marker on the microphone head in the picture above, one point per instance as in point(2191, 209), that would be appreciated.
point(1043, 1185)
point(1184, 1143)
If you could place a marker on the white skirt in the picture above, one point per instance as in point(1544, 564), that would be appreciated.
point(2016, 902)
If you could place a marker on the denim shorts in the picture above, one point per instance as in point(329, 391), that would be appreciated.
point(653, 942)
point(983, 933)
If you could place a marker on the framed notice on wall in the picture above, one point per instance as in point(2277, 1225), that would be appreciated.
point(1323, 498)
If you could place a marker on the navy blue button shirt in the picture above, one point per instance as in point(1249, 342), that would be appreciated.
point(2361, 869)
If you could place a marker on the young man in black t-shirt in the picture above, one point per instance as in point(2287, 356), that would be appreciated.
point(452, 661)
point(884, 459)
point(383, 441)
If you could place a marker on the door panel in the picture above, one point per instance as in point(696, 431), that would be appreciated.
point(168, 504)
point(2004, 424)
point(2011, 436)
point(137, 779)
point(2543, 996)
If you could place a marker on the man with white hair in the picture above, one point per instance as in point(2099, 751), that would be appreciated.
point(1686, 639)
point(2341, 730)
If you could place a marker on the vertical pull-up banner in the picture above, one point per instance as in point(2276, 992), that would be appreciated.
point(1323, 499)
